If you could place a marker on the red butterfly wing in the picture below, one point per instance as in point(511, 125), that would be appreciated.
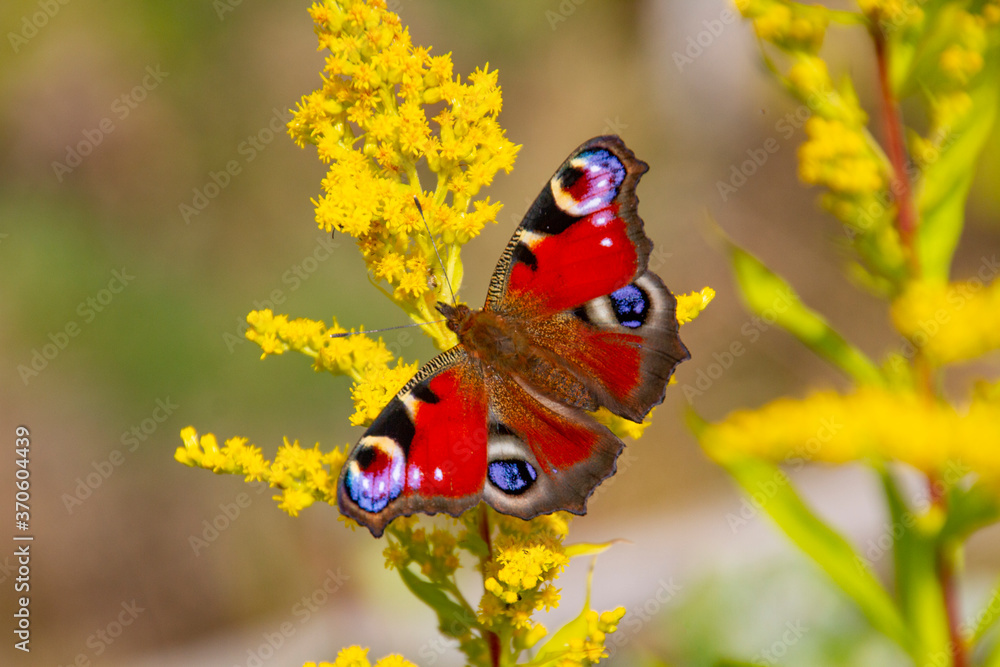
point(582, 237)
point(544, 456)
point(425, 452)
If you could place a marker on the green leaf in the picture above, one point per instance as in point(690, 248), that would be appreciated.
point(454, 620)
point(825, 546)
point(587, 549)
point(993, 659)
point(986, 619)
point(771, 298)
point(969, 510)
point(945, 182)
point(557, 646)
point(915, 554)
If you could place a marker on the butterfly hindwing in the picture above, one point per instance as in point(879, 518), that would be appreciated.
point(626, 343)
point(426, 450)
point(543, 456)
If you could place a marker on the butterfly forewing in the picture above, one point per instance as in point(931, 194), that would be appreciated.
point(425, 452)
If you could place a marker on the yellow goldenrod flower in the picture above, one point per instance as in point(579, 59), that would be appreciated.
point(303, 475)
point(358, 356)
point(950, 322)
point(369, 123)
point(355, 656)
point(869, 424)
point(689, 306)
point(790, 25)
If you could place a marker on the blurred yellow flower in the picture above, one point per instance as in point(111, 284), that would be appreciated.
point(950, 322)
point(870, 424)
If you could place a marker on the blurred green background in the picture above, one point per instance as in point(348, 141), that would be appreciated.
point(114, 115)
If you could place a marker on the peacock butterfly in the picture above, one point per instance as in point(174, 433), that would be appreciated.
point(574, 321)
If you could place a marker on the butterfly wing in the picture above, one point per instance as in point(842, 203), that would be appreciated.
point(425, 452)
point(582, 237)
point(575, 275)
point(543, 455)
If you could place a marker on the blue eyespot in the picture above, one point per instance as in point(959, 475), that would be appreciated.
point(513, 476)
point(374, 475)
point(631, 306)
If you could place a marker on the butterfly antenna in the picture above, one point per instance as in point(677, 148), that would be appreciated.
point(444, 272)
point(369, 331)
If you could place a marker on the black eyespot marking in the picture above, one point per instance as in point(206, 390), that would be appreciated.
point(569, 176)
point(545, 216)
point(631, 306)
point(581, 314)
point(395, 424)
point(366, 457)
point(512, 476)
point(523, 254)
point(422, 392)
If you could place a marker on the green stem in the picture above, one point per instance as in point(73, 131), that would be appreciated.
point(492, 639)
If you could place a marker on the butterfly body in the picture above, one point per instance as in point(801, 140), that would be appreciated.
point(573, 321)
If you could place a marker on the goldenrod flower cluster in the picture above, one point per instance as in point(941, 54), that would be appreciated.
point(366, 361)
point(369, 122)
point(901, 17)
point(302, 475)
point(950, 322)
point(527, 557)
point(869, 424)
point(355, 656)
point(789, 25)
point(590, 648)
point(839, 154)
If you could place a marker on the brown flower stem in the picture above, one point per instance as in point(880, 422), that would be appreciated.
point(946, 579)
point(492, 639)
point(946, 574)
point(901, 187)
